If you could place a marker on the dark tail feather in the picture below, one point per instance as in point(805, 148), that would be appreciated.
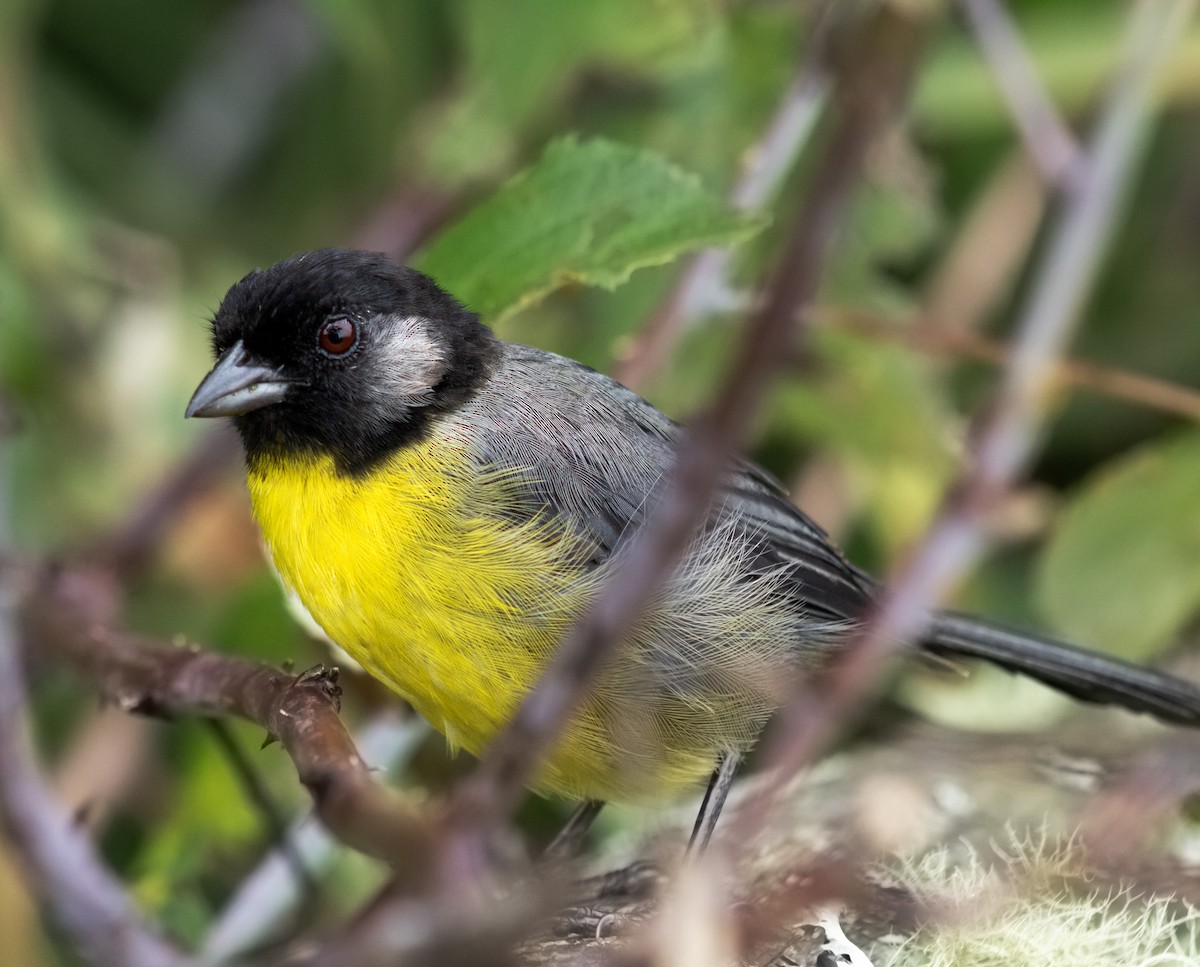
point(1080, 673)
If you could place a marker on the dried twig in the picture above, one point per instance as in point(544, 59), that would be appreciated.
point(703, 285)
point(936, 339)
point(1006, 440)
point(403, 222)
point(1047, 137)
point(449, 931)
point(870, 91)
point(217, 117)
point(256, 792)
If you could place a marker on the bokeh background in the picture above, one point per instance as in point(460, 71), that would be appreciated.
point(152, 154)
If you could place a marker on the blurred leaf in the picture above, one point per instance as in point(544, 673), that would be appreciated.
point(1123, 568)
point(179, 864)
point(894, 219)
point(588, 213)
point(510, 81)
point(876, 404)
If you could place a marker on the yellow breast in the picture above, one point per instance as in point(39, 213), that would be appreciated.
point(416, 570)
point(423, 573)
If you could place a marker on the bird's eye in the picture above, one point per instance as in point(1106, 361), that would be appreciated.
point(336, 337)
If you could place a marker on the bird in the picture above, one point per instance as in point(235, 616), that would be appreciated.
point(446, 505)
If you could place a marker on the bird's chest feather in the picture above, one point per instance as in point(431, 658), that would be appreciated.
point(423, 573)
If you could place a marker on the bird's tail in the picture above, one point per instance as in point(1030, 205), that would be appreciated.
point(1083, 674)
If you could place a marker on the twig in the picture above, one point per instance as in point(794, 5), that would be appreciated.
point(1047, 137)
point(936, 339)
point(871, 90)
point(448, 931)
point(1006, 439)
point(703, 285)
point(141, 675)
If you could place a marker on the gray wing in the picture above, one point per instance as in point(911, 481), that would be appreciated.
point(596, 452)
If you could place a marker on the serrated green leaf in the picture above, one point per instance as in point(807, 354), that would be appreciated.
point(1123, 568)
point(587, 213)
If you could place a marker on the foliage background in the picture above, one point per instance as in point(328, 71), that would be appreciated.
point(151, 154)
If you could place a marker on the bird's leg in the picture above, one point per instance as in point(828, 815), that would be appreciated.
point(713, 801)
point(569, 840)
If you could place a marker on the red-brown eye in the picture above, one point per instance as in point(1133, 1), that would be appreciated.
point(336, 337)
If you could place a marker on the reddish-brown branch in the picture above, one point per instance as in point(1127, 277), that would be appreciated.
point(145, 676)
point(928, 336)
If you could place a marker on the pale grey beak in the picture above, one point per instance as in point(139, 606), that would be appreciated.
point(237, 385)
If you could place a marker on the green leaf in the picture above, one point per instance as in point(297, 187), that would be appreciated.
point(1123, 568)
point(588, 213)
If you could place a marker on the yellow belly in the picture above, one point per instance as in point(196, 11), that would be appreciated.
point(417, 572)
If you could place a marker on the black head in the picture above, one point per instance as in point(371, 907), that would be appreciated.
point(340, 352)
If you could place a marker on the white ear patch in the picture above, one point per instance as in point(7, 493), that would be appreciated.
point(408, 360)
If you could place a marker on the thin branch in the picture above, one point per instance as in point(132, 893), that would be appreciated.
point(89, 904)
point(1008, 437)
point(462, 930)
point(937, 339)
point(144, 676)
point(871, 90)
point(703, 286)
point(218, 116)
point(1047, 137)
point(1079, 241)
